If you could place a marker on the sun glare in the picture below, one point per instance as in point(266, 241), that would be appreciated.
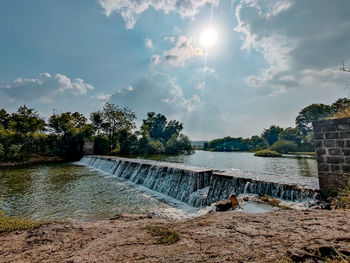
point(208, 38)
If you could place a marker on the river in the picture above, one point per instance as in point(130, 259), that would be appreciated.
point(79, 193)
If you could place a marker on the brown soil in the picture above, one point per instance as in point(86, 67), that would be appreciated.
point(220, 237)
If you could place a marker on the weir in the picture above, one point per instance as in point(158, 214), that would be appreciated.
point(195, 186)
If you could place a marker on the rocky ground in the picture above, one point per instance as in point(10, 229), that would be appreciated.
point(280, 236)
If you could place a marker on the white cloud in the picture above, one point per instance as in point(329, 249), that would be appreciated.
point(149, 43)
point(101, 97)
point(131, 9)
point(159, 92)
point(200, 86)
point(178, 55)
point(208, 70)
point(171, 39)
point(295, 40)
point(44, 88)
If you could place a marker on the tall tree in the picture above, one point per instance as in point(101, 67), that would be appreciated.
point(26, 121)
point(159, 128)
point(4, 118)
point(271, 134)
point(116, 120)
point(311, 113)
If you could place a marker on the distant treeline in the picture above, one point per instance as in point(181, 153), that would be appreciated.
point(291, 139)
point(113, 130)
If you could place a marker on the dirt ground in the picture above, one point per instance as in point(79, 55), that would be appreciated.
point(280, 236)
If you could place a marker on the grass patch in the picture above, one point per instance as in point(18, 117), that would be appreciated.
point(267, 153)
point(9, 223)
point(164, 236)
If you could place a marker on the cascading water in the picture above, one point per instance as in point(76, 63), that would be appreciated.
point(192, 185)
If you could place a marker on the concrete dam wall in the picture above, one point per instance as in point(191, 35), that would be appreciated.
point(195, 186)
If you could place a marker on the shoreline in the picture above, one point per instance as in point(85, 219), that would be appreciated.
point(36, 160)
point(280, 236)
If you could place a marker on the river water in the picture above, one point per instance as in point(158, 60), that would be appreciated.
point(79, 193)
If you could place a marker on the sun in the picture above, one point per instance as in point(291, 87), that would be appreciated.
point(208, 37)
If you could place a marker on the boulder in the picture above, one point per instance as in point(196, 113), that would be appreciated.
point(226, 204)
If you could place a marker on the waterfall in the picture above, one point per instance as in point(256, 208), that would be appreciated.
point(192, 185)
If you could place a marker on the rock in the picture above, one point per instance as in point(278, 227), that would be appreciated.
point(226, 204)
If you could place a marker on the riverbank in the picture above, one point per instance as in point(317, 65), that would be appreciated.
point(280, 236)
point(34, 160)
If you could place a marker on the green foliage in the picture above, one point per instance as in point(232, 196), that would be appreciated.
point(267, 153)
point(283, 146)
point(25, 121)
point(271, 134)
point(160, 136)
point(4, 118)
point(310, 114)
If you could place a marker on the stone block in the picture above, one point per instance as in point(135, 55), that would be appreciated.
point(329, 143)
point(335, 167)
point(345, 135)
point(340, 143)
point(329, 128)
point(346, 168)
point(322, 167)
point(334, 151)
point(334, 160)
point(346, 152)
point(319, 136)
point(333, 135)
point(320, 151)
point(343, 127)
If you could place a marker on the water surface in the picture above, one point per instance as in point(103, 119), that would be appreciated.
point(78, 193)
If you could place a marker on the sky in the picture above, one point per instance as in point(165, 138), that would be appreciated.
point(260, 64)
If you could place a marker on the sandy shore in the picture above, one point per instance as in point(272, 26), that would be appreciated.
point(220, 237)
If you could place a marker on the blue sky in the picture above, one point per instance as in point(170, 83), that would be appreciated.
point(270, 59)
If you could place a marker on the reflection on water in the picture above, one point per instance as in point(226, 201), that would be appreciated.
point(72, 192)
point(301, 171)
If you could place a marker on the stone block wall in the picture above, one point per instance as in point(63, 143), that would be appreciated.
point(332, 142)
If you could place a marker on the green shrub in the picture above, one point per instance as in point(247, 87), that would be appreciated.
point(283, 146)
point(267, 153)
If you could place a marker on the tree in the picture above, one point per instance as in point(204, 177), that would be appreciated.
point(25, 121)
point(292, 135)
point(282, 146)
point(116, 120)
point(310, 114)
point(97, 121)
point(271, 134)
point(4, 118)
point(159, 128)
point(340, 105)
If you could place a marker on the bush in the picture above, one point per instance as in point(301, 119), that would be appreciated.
point(283, 146)
point(267, 153)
